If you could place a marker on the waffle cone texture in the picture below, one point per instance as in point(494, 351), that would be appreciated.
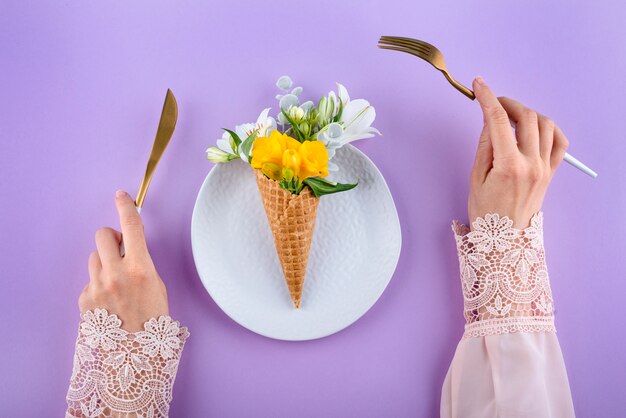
point(292, 221)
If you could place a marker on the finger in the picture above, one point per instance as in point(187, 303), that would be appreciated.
point(559, 148)
point(108, 244)
point(132, 227)
point(95, 266)
point(546, 137)
point(526, 126)
point(497, 120)
point(483, 161)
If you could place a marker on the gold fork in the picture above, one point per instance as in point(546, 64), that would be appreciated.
point(425, 51)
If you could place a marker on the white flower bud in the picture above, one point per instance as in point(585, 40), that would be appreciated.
point(296, 113)
point(216, 155)
point(325, 110)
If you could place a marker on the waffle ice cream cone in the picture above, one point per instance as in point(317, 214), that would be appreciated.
point(292, 220)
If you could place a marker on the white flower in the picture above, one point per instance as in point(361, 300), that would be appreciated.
point(356, 119)
point(101, 329)
point(160, 337)
point(263, 126)
point(226, 144)
point(228, 150)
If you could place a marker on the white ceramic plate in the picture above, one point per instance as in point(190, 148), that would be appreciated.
point(355, 249)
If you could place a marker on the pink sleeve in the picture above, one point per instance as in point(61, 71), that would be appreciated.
point(508, 362)
point(117, 373)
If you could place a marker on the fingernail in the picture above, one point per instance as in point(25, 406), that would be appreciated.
point(480, 81)
point(120, 193)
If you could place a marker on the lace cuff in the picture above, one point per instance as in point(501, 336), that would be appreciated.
point(504, 277)
point(117, 372)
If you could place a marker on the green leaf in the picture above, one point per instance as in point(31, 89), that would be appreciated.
point(247, 145)
point(235, 138)
point(294, 127)
point(337, 117)
point(322, 187)
point(294, 185)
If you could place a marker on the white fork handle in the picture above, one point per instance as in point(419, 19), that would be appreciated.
point(579, 165)
point(122, 249)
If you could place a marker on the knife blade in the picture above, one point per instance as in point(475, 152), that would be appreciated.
point(167, 123)
point(169, 115)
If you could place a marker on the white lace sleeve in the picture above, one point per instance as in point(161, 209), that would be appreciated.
point(504, 277)
point(509, 361)
point(118, 373)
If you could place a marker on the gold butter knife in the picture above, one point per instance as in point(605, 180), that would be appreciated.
point(169, 115)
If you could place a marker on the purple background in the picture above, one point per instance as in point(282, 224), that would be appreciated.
point(82, 86)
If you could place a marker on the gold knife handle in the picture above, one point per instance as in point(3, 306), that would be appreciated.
point(143, 188)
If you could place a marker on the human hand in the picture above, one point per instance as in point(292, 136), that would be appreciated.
point(511, 178)
point(128, 286)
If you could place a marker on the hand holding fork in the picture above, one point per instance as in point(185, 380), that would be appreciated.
point(432, 55)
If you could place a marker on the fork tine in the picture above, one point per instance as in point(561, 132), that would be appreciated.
point(406, 42)
point(416, 53)
point(409, 46)
point(413, 41)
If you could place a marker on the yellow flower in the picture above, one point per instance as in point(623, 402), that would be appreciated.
point(272, 171)
point(291, 164)
point(314, 159)
point(270, 149)
point(280, 156)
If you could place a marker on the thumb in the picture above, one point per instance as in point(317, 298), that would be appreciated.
point(132, 226)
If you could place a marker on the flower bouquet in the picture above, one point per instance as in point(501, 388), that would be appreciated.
point(291, 156)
